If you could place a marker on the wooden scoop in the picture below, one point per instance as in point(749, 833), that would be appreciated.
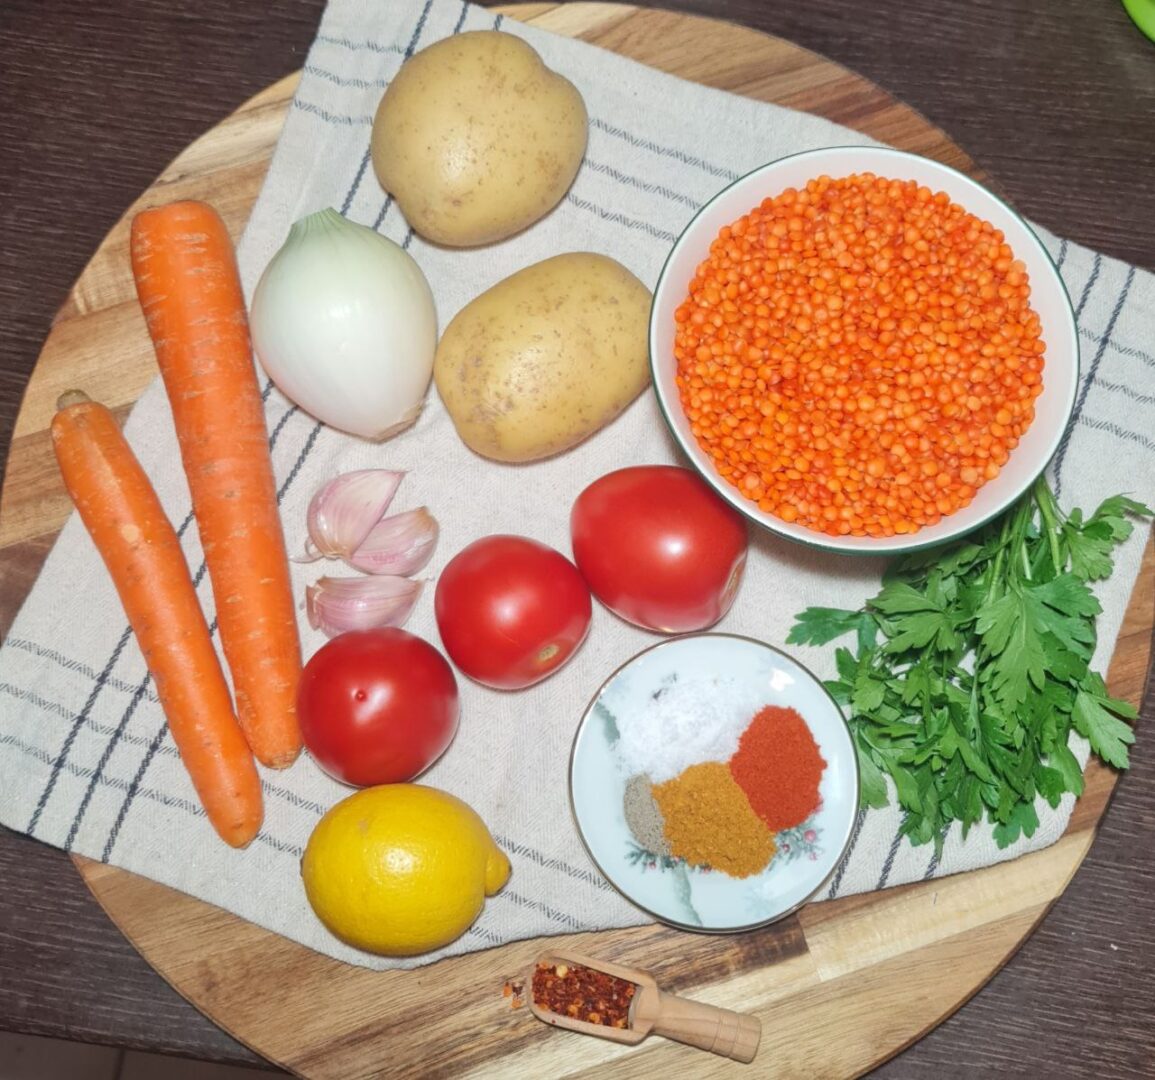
point(721, 1031)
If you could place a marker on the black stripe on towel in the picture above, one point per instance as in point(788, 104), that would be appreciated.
point(561, 918)
point(365, 158)
point(102, 680)
point(61, 758)
point(664, 151)
point(551, 863)
point(1144, 441)
point(894, 845)
point(1122, 350)
point(345, 119)
point(357, 46)
point(380, 219)
point(69, 664)
point(1061, 453)
point(461, 18)
point(836, 883)
point(1127, 391)
point(932, 866)
point(1096, 266)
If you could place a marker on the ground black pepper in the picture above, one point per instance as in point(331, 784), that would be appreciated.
point(643, 816)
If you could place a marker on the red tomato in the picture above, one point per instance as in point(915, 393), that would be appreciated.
point(377, 706)
point(658, 547)
point(511, 611)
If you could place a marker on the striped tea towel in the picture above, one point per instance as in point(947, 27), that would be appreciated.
point(85, 760)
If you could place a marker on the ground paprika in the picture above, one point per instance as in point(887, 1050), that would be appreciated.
point(779, 766)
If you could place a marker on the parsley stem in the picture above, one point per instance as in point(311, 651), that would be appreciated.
point(996, 575)
point(997, 569)
point(1049, 512)
point(1022, 516)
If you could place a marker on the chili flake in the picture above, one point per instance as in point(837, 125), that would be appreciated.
point(583, 993)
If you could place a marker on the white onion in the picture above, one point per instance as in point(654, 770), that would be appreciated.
point(343, 322)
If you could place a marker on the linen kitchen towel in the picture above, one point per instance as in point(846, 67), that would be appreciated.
point(85, 759)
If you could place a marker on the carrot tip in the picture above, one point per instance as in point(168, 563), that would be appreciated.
point(282, 760)
point(240, 839)
point(72, 397)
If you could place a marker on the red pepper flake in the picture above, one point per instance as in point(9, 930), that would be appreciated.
point(514, 990)
point(583, 993)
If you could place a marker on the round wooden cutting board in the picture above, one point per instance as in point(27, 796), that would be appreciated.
point(840, 986)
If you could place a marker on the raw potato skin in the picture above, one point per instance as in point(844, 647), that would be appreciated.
point(477, 139)
point(546, 357)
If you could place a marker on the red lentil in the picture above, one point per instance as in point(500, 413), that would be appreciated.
point(583, 993)
point(859, 356)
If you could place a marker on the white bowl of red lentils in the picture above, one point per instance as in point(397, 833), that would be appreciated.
point(864, 350)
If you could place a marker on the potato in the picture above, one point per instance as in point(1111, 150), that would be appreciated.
point(546, 357)
point(476, 138)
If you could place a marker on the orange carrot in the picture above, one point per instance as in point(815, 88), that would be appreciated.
point(186, 279)
point(124, 517)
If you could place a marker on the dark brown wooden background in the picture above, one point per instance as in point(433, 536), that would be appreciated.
point(1055, 99)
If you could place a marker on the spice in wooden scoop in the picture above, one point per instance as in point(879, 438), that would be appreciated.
point(583, 993)
point(624, 1005)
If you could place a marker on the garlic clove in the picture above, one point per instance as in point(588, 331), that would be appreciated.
point(400, 544)
point(335, 605)
point(343, 512)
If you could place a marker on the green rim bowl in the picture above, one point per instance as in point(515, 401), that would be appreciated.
point(1049, 298)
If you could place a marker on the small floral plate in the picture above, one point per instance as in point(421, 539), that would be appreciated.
point(682, 702)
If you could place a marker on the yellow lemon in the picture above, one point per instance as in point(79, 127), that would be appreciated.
point(401, 869)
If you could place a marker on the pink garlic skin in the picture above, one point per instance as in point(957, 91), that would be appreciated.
point(344, 511)
point(335, 605)
point(401, 544)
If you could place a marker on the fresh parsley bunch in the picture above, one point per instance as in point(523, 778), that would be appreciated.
point(972, 665)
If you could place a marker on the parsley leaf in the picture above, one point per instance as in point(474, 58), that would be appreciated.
point(1090, 554)
point(1012, 638)
point(899, 598)
point(1096, 717)
point(1067, 765)
point(1022, 819)
point(872, 783)
point(820, 625)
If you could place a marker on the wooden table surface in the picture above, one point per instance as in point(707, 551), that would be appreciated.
point(1055, 100)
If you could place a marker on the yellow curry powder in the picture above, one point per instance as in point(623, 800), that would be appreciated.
point(708, 819)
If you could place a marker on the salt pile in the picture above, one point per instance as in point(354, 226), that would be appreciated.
point(687, 722)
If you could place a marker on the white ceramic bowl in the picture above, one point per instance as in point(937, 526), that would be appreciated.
point(738, 675)
point(1048, 297)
